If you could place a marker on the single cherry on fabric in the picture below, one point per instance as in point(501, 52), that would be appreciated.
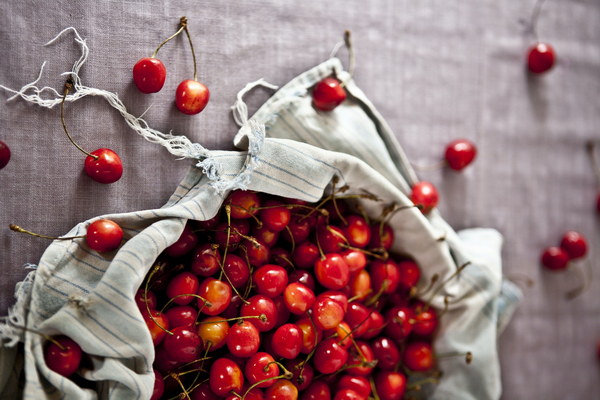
point(574, 244)
point(149, 74)
point(424, 195)
point(328, 94)
point(460, 153)
point(540, 58)
point(104, 235)
point(4, 154)
point(62, 355)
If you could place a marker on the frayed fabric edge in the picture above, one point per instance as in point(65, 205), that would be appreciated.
point(11, 326)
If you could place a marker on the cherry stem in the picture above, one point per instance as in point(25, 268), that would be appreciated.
point(468, 356)
point(430, 167)
point(208, 303)
point(47, 337)
point(537, 8)
point(262, 317)
point(176, 377)
point(150, 275)
point(417, 385)
point(454, 275)
point(68, 87)
point(591, 148)
point(187, 33)
point(518, 277)
point(586, 281)
point(373, 388)
point(181, 28)
point(17, 228)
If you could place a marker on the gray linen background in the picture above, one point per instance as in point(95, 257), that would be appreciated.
point(436, 70)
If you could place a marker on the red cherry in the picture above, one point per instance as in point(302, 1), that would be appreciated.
point(359, 384)
point(304, 277)
point(365, 356)
point(237, 270)
point(225, 376)
point(305, 255)
point(303, 373)
point(142, 297)
point(157, 333)
point(328, 94)
point(574, 244)
point(184, 283)
point(399, 325)
point(206, 260)
point(329, 356)
point(460, 153)
point(298, 298)
point(244, 204)
point(186, 242)
point(318, 390)
point(287, 341)
point(243, 339)
point(347, 394)
point(149, 74)
point(555, 258)
point(425, 195)
point(331, 239)
point(103, 235)
point(381, 237)
point(261, 366)
point(230, 236)
point(184, 345)
point(270, 280)
point(385, 276)
point(425, 320)
point(282, 390)
point(275, 216)
point(191, 97)
point(203, 392)
point(217, 293)
point(260, 306)
point(355, 259)
point(213, 331)
point(540, 58)
point(390, 385)
point(376, 324)
point(159, 386)
point(418, 356)
point(64, 361)
point(327, 313)
point(299, 230)
point(332, 271)
point(258, 253)
point(357, 231)
point(386, 351)
point(4, 154)
point(107, 168)
point(357, 318)
point(181, 316)
point(410, 273)
point(311, 336)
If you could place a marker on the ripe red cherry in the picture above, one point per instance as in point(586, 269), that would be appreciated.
point(142, 297)
point(259, 306)
point(425, 320)
point(303, 277)
point(376, 325)
point(206, 261)
point(418, 356)
point(203, 392)
point(305, 255)
point(270, 280)
point(244, 204)
point(213, 331)
point(107, 168)
point(225, 376)
point(156, 325)
point(386, 351)
point(303, 373)
point(275, 216)
point(287, 341)
point(332, 271)
point(159, 386)
point(385, 276)
point(191, 97)
point(399, 325)
point(184, 345)
point(390, 385)
point(299, 230)
point(63, 361)
point(184, 283)
point(258, 253)
point(425, 195)
point(359, 384)
point(355, 259)
point(359, 286)
point(261, 366)
point(282, 389)
point(410, 273)
point(365, 356)
point(237, 270)
point(574, 244)
point(381, 236)
point(298, 298)
point(460, 153)
point(357, 231)
point(243, 339)
point(540, 58)
point(347, 394)
point(217, 293)
point(555, 258)
point(329, 356)
point(357, 318)
point(149, 74)
point(311, 336)
point(181, 316)
point(186, 242)
point(318, 390)
point(328, 94)
point(327, 313)
point(4, 154)
point(331, 239)
point(103, 235)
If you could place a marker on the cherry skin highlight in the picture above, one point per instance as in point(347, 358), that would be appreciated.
point(540, 58)
point(4, 154)
point(104, 235)
point(328, 94)
point(107, 168)
point(460, 153)
point(149, 75)
point(191, 97)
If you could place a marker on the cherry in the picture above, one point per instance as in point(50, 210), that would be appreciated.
point(244, 204)
point(425, 320)
point(399, 322)
point(203, 392)
point(298, 298)
point(191, 97)
point(237, 270)
point(302, 372)
point(376, 325)
point(243, 339)
point(299, 229)
point(355, 259)
point(149, 74)
point(159, 386)
point(357, 231)
point(418, 356)
point(332, 271)
point(62, 355)
point(265, 236)
point(327, 313)
point(186, 242)
point(347, 394)
point(281, 256)
point(424, 195)
point(359, 384)
point(158, 324)
point(231, 235)
point(555, 258)
point(337, 296)
point(270, 280)
point(258, 253)
point(287, 341)
point(218, 295)
point(183, 345)
point(385, 276)
point(390, 385)
point(283, 314)
point(331, 239)
point(382, 236)
point(362, 354)
point(305, 255)
point(329, 356)
point(181, 316)
point(303, 277)
point(104, 166)
point(574, 244)
point(163, 361)
point(460, 153)
point(318, 390)
point(145, 297)
point(275, 216)
point(386, 351)
point(4, 154)
point(328, 94)
point(282, 390)
point(225, 376)
point(213, 331)
point(182, 284)
point(357, 318)
point(540, 58)
point(103, 235)
point(263, 307)
point(206, 260)
point(410, 273)
point(311, 335)
point(261, 367)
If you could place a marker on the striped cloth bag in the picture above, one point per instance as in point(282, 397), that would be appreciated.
point(288, 149)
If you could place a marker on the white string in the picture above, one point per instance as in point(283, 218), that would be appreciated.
point(179, 146)
point(239, 109)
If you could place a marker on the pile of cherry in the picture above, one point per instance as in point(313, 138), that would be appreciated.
point(276, 298)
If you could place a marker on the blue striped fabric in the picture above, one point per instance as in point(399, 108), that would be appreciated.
point(89, 297)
